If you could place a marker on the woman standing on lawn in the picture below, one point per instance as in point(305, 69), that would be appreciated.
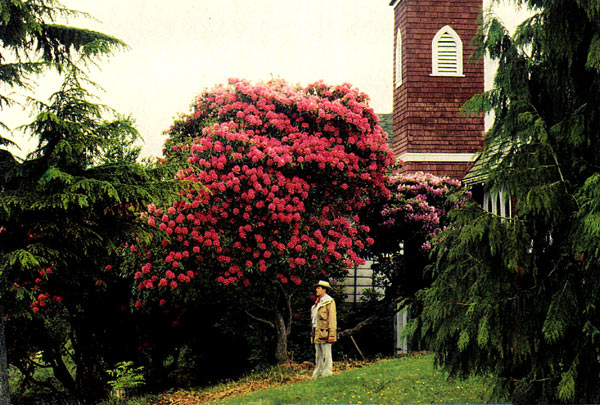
point(324, 329)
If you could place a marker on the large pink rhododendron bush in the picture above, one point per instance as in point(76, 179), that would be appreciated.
point(272, 177)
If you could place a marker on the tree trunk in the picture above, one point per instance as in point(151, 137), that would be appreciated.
point(88, 380)
point(4, 392)
point(61, 372)
point(280, 319)
point(281, 334)
point(283, 324)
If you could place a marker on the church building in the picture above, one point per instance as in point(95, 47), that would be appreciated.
point(434, 75)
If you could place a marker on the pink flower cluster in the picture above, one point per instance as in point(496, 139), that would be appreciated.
point(274, 176)
point(423, 199)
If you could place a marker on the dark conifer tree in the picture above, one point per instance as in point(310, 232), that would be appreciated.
point(32, 40)
point(518, 297)
point(65, 208)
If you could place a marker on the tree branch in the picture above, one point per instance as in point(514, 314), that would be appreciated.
point(359, 326)
point(30, 379)
point(256, 318)
point(263, 307)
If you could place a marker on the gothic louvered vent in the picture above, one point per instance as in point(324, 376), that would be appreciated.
point(447, 54)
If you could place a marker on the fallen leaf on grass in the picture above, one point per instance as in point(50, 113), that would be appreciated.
point(288, 374)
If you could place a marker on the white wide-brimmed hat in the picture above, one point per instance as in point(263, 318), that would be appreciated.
point(324, 284)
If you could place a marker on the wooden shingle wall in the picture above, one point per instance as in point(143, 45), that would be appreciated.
point(426, 116)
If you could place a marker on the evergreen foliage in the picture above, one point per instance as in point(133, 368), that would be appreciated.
point(517, 297)
point(65, 208)
point(32, 41)
point(64, 212)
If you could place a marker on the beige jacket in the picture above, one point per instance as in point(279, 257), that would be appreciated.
point(326, 321)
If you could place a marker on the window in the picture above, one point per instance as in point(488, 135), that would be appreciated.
point(398, 79)
point(447, 53)
point(497, 203)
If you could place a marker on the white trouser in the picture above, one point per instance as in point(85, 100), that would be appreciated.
point(323, 361)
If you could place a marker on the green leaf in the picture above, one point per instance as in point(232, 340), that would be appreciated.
point(55, 175)
point(463, 340)
point(593, 56)
point(483, 334)
point(566, 386)
point(22, 259)
point(560, 314)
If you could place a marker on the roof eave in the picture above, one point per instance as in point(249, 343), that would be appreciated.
point(393, 2)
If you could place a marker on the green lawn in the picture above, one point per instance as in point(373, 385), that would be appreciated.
point(396, 381)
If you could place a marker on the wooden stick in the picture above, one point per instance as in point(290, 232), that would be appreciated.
point(357, 348)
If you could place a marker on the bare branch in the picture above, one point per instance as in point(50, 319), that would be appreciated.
point(259, 306)
point(256, 318)
point(359, 326)
point(30, 379)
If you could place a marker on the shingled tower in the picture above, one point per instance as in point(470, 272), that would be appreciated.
point(433, 77)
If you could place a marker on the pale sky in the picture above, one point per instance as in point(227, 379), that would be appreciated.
point(180, 47)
